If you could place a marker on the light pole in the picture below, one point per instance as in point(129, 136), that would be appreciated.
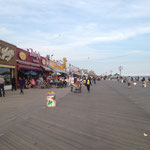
point(120, 69)
point(111, 72)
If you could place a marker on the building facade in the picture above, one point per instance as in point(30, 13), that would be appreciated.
point(7, 62)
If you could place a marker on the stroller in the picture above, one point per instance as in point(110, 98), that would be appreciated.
point(76, 88)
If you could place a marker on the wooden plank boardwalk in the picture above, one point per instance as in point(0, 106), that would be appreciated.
point(107, 118)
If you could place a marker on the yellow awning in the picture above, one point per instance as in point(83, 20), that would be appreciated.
point(7, 66)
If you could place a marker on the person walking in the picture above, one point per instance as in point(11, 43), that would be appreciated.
point(21, 85)
point(129, 81)
point(143, 82)
point(13, 82)
point(94, 78)
point(88, 83)
point(2, 83)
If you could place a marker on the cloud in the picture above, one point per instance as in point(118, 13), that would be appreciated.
point(5, 31)
point(124, 34)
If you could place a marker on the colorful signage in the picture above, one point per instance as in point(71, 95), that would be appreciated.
point(22, 56)
point(57, 64)
point(43, 62)
point(31, 57)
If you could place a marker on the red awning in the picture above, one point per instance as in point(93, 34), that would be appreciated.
point(26, 67)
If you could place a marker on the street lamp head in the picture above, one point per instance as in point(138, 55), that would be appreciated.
point(120, 68)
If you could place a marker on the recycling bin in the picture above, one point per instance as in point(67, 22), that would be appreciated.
point(51, 99)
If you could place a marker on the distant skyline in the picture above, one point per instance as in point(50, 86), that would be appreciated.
point(100, 35)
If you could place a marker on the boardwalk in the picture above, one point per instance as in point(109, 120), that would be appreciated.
point(110, 117)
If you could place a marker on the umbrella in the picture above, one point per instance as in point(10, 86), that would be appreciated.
point(31, 73)
point(27, 73)
point(56, 74)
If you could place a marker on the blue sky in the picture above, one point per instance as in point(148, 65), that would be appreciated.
point(99, 35)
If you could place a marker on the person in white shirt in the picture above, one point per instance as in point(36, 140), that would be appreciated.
point(2, 82)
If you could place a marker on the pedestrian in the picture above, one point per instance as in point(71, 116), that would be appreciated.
point(88, 83)
point(13, 82)
point(2, 83)
point(129, 81)
point(21, 85)
point(143, 82)
point(94, 80)
point(33, 83)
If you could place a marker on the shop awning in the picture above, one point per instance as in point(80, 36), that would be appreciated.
point(7, 66)
point(33, 73)
point(28, 67)
point(60, 71)
point(46, 68)
point(77, 73)
point(27, 63)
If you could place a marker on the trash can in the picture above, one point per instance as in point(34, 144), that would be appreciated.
point(51, 99)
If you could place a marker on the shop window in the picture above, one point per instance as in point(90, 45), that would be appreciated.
point(6, 74)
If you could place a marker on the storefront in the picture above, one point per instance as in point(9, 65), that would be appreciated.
point(28, 63)
point(31, 64)
point(7, 62)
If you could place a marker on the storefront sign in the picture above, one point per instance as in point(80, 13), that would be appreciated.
point(6, 53)
point(34, 54)
point(36, 61)
point(22, 56)
point(43, 62)
point(57, 64)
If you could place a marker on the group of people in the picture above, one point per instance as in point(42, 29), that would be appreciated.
point(87, 81)
point(2, 83)
point(133, 80)
point(50, 81)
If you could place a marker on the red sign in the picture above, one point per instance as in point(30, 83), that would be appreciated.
point(31, 57)
point(35, 54)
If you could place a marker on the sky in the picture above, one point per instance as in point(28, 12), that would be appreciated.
point(98, 35)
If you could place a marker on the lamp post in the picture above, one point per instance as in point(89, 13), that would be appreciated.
point(120, 69)
point(111, 72)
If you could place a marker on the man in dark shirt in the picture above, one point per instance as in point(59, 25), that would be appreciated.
point(21, 84)
point(13, 82)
